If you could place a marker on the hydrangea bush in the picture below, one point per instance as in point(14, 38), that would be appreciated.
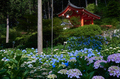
point(108, 50)
point(77, 43)
point(86, 63)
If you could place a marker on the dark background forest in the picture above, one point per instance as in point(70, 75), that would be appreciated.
point(22, 16)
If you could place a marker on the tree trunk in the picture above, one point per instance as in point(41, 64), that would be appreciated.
point(96, 2)
point(45, 15)
point(29, 6)
point(105, 3)
point(86, 2)
point(52, 27)
point(48, 10)
point(40, 45)
point(7, 31)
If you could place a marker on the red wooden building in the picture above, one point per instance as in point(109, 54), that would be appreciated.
point(86, 17)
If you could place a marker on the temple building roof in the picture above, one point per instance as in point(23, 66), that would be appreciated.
point(73, 10)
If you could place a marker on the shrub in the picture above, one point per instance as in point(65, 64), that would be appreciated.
point(86, 31)
point(110, 21)
point(75, 21)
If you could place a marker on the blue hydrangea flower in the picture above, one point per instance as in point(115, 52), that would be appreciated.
point(53, 66)
point(67, 64)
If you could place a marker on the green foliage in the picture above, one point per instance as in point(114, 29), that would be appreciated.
point(57, 29)
point(2, 33)
point(11, 65)
point(113, 46)
point(86, 31)
point(56, 21)
point(118, 26)
point(75, 20)
point(13, 34)
point(113, 9)
point(110, 21)
point(110, 49)
point(91, 7)
point(28, 23)
point(27, 40)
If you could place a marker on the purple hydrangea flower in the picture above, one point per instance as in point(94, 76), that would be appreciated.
point(94, 58)
point(50, 72)
point(114, 58)
point(97, 64)
point(98, 77)
point(114, 71)
point(74, 73)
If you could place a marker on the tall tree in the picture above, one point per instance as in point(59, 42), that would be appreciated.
point(7, 31)
point(40, 45)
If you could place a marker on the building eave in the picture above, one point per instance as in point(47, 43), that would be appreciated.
point(79, 8)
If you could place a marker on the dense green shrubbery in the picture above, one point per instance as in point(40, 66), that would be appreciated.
point(75, 21)
point(86, 31)
point(110, 21)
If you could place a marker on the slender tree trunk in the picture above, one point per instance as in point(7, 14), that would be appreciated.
point(48, 9)
point(105, 3)
point(45, 15)
point(86, 2)
point(52, 27)
point(7, 31)
point(29, 6)
point(96, 2)
point(40, 45)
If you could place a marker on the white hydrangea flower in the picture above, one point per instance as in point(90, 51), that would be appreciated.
point(74, 73)
point(62, 71)
point(51, 76)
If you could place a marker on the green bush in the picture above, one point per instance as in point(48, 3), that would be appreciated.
point(118, 26)
point(75, 20)
point(28, 40)
point(86, 31)
point(110, 21)
point(13, 34)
